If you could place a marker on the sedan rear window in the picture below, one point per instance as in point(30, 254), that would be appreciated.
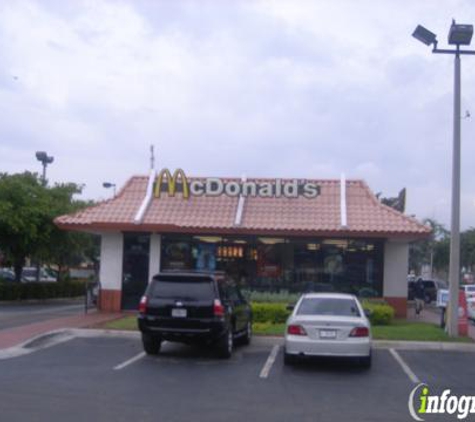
point(183, 288)
point(328, 306)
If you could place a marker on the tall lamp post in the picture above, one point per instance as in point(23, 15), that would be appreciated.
point(45, 159)
point(459, 35)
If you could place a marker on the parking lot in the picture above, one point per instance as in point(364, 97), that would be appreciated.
point(109, 378)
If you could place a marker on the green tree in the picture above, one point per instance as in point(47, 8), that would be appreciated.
point(67, 249)
point(432, 250)
point(467, 248)
point(24, 217)
point(27, 229)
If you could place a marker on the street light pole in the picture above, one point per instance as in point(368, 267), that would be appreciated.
point(454, 264)
point(458, 35)
point(45, 159)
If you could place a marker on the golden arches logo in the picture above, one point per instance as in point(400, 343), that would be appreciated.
point(172, 183)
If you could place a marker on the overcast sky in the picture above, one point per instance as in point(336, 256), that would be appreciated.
point(307, 89)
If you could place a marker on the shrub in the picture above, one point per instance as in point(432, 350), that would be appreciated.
point(24, 291)
point(273, 297)
point(274, 313)
point(381, 312)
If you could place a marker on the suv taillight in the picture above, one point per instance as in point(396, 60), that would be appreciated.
point(359, 332)
point(296, 330)
point(143, 305)
point(218, 308)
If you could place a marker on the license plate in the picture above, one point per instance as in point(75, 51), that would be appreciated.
point(327, 334)
point(179, 313)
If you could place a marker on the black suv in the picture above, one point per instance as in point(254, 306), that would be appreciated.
point(430, 289)
point(194, 307)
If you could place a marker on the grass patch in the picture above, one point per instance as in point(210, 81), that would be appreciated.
point(268, 329)
point(413, 331)
point(128, 323)
point(398, 330)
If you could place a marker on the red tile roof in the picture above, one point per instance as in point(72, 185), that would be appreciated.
point(320, 216)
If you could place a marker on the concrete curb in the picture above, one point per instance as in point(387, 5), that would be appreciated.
point(424, 345)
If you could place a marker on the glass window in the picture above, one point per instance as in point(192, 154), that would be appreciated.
point(176, 253)
point(183, 288)
point(328, 306)
point(282, 265)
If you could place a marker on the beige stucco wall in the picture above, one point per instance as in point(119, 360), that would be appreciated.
point(396, 263)
point(110, 275)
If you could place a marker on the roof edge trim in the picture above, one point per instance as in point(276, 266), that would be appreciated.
point(343, 210)
point(240, 206)
point(148, 198)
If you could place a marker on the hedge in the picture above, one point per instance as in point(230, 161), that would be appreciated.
point(275, 313)
point(25, 291)
point(380, 312)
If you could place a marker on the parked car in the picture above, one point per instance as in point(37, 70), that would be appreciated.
point(194, 307)
point(328, 324)
point(7, 274)
point(471, 307)
point(28, 275)
point(431, 287)
point(469, 290)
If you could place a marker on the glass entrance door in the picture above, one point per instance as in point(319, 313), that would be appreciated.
point(135, 268)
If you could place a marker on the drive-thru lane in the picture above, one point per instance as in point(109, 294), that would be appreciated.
point(17, 315)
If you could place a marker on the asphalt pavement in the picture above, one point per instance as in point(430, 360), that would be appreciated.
point(107, 377)
point(16, 315)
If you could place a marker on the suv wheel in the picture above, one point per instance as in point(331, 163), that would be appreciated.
point(225, 344)
point(248, 334)
point(151, 344)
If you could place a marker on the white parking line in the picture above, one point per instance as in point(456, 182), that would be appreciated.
point(129, 362)
point(270, 361)
point(412, 376)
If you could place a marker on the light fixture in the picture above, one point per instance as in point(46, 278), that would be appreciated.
point(424, 35)
point(45, 159)
point(109, 185)
point(460, 34)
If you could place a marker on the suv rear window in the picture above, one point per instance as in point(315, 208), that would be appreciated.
point(181, 287)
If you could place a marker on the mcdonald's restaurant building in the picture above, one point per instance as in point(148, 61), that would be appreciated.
point(270, 235)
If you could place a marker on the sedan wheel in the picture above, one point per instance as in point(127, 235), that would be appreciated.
point(289, 359)
point(365, 362)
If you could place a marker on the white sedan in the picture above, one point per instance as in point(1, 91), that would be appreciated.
point(328, 324)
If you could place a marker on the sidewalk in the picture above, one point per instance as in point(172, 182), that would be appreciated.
point(14, 336)
point(431, 314)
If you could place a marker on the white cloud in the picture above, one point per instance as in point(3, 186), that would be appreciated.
point(274, 88)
